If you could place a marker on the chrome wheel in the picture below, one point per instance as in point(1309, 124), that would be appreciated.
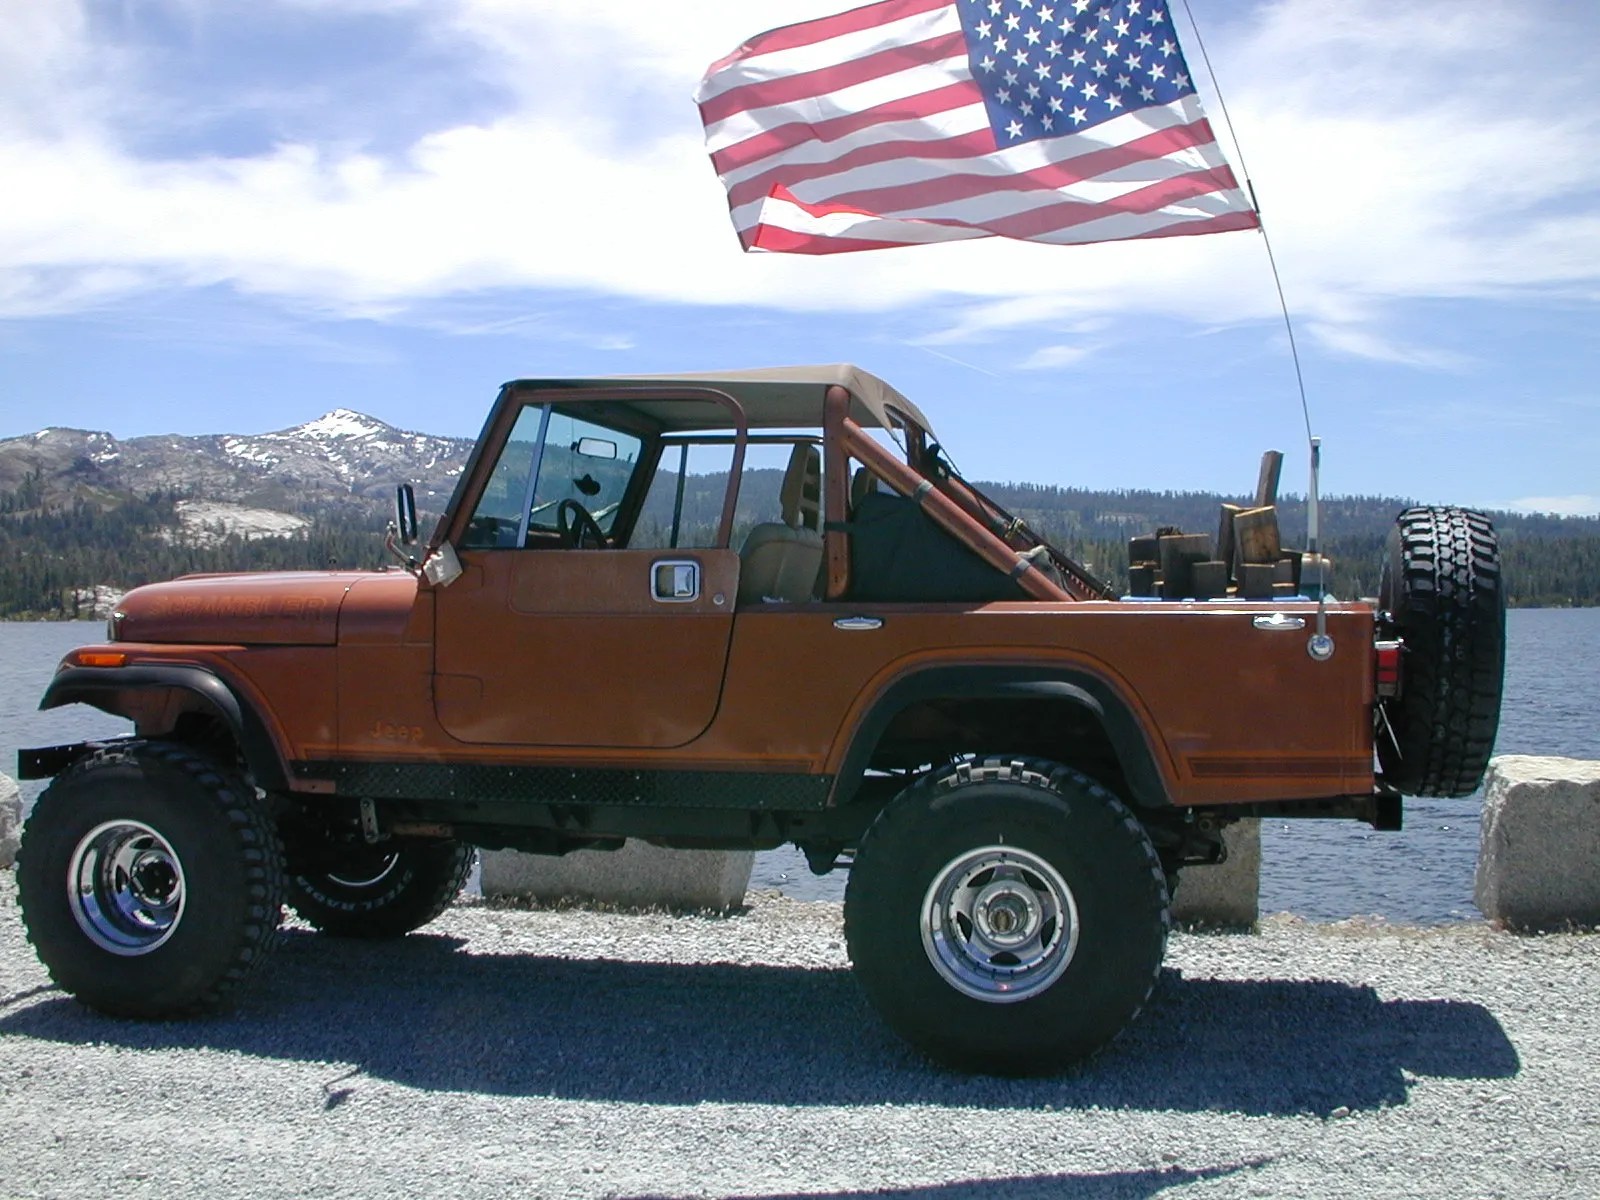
point(125, 887)
point(999, 924)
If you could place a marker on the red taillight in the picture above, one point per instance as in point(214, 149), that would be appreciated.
point(1387, 676)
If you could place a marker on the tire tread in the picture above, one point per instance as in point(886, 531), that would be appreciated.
point(1445, 592)
point(871, 888)
point(256, 844)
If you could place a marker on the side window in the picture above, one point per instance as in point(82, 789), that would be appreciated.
point(705, 485)
point(761, 488)
point(574, 459)
point(587, 464)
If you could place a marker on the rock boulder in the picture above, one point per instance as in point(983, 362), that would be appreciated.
point(637, 876)
point(1539, 849)
point(1228, 894)
point(10, 820)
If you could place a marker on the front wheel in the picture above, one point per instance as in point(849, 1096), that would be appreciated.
point(382, 891)
point(149, 879)
point(1007, 916)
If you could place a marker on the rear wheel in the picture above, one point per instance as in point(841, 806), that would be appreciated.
point(149, 880)
point(1007, 916)
point(1445, 597)
point(382, 891)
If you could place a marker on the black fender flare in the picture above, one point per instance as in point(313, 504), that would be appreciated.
point(1087, 691)
point(99, 687)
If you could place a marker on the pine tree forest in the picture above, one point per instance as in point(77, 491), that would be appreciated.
point(56, 556)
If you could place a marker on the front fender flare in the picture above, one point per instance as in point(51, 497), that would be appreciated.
point(100, 687)
point(1122, 727)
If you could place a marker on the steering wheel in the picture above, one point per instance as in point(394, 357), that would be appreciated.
point(578, 528)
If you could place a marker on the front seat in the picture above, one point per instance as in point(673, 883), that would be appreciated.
point(781, 560)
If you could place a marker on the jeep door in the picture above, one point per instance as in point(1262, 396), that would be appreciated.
point(542, 641)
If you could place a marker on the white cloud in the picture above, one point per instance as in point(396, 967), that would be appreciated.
point(1384, 179)
point(1357, 342)
point(1048, 358)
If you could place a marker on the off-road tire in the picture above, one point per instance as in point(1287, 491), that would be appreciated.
point(1445, 599)
point(385, 892)
point(203, 826)
point(1066, 824)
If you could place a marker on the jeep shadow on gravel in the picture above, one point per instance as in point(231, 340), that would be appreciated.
point(884, 668)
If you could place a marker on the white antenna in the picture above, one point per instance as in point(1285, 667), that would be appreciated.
point(1321, 645)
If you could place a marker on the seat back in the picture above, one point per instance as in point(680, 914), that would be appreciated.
point(801, 494)
point(864, 483)
point(781, 560)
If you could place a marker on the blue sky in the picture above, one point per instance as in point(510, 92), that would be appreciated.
point(233, 217)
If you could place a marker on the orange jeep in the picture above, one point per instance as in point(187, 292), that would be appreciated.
point(888, 671)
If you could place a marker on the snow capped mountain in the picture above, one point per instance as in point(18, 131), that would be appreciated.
point(343, 458)
point(340, 423)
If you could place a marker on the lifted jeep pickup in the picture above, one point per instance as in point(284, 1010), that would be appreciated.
point(887, 670)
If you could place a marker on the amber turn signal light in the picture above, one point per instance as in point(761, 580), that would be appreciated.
point(101, 658)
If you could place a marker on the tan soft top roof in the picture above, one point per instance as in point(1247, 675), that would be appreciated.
point(772, 397)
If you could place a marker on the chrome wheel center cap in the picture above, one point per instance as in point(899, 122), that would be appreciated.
point(1004, 915)
point(152, 879)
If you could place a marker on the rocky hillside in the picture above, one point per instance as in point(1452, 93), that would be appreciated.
point(344, 460)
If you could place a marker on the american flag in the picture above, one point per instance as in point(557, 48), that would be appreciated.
point(914, 121)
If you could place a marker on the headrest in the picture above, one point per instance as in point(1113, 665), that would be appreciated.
point(801, 495)
point(863, 482)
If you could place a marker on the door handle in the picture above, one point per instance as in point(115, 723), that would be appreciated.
point(1279, 620)
point(854, 623)
point(675, 580)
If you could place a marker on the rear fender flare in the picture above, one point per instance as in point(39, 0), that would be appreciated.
point(1094, 695)
point(102, 688)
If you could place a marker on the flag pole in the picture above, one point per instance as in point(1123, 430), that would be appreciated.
point(1321, 645)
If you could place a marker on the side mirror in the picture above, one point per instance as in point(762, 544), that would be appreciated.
point(405, 515)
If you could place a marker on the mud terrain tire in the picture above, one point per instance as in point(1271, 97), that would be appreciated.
point(384, 893)
point(149, 879)
point(1445, 597)
point(1007, 916)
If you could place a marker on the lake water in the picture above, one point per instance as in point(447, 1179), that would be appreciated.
point(1320, 870)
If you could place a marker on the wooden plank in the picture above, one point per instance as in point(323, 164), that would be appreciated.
point(1210, 579)
point(1179, 551)
point(1267, 482)
point(1255, 580)
point(1225, 534)
point(1255, 536)
point(1294, 559)
point(1143, 550)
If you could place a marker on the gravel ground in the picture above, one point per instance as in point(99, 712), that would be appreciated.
point(576, 1054)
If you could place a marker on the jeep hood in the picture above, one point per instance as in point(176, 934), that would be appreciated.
point(291, 608)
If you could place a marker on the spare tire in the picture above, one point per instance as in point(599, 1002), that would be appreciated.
point(1443, 597)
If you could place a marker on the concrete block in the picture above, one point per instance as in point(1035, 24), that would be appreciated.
point(1539, 846)
point(1229, 893)
point(10, 820)
point(637, 876)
